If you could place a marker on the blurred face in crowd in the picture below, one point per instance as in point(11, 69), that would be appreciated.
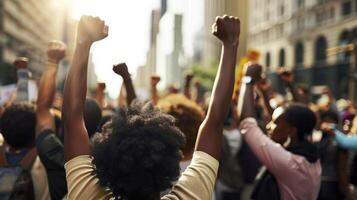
point(278, 129)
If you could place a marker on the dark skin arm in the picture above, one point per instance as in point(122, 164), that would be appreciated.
point(265, 88)
point(188, 80)
point(76, 140)
point(246, 106)
point(288, 78)
point(154, 93)
point(47, 87)
point(122, 70)
point(227, 29)
point(100, 94)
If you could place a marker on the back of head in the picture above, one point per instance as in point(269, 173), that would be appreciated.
point(188, 115)
point(330, 116)
point(138, 154)
point(18, 125)
point(92, 116)
point(302, 118)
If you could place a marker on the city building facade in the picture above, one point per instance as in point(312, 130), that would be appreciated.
point(297, 35)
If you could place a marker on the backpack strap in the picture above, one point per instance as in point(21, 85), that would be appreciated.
point(29, 159)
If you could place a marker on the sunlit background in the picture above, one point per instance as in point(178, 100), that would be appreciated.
point(129, 32)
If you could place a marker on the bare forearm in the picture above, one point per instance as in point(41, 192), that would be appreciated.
point(223, 86)
point(154, 95)
point(266, 99)
point(187, 91)
point(210, 133)
point(47, 87)
point(246, 106)
point(76, 84)
point(130, 91)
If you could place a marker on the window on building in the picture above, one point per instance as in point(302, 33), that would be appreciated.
point(282, 58)
point(346, 8)
point(267, 60)
point(282, 9)
point(320, 49)
point(345, 38)
point(354, 34)
point(299, 54)
point(301, 3)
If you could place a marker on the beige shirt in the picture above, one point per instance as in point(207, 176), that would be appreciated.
point(196, 183)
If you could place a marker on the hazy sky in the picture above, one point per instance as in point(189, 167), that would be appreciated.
point(129, 31)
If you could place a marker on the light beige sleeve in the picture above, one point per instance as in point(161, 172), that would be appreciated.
point(197, 182)
point(81, 182)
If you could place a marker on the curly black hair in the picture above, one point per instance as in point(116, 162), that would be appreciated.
point(138, 154)
point(18, 125)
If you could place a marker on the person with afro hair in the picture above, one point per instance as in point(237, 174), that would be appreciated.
point(137, 154)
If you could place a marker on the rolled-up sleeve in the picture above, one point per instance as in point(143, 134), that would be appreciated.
point(270, 153)
point(197, 182)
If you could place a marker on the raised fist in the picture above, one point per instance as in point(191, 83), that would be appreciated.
point(121, 69)
point(21, 63)
point(189, 77)
point(56, 51)
point(253, 70)
point(264, 85)
point(155, 80)
point(101, 86)
point(227, 29)
point(91, 29)
point(286, 76)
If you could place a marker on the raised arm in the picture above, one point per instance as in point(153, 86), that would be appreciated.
point(153, 84)
point(264, 86)
point(252, 74)
point(226, 29)
point(188, 80)
point(100, 94)
point(76, 140)
point(47, 86)
point(288, 78)
point(346, 142)
point(122, 70)
point(23, 77)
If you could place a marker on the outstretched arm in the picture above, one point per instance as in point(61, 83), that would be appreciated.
point(76, 141)
point(100, 94)
point(227, 29)
point(265, 88)
point(122, 70)
point(288, 78)
point(188, 80)
point(154, 94)
point(252, 74)
point(47, 86)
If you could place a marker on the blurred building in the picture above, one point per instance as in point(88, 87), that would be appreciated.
point(27, 26)
point(296, 35)
point(211, 47)
point(170, 49)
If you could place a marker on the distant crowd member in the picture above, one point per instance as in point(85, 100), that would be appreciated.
point(22, 174)
point(292, 172)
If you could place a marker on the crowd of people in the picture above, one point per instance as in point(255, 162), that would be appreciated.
point(249, 143)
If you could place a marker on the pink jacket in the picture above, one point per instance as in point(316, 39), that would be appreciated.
point(297, 178)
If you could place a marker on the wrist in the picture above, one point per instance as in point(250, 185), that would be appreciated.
point(230, 45)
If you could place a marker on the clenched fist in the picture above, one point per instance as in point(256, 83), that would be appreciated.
point(56, 51)
point(286, 75)
point(21, 63)
point(121, 69)
point(155, 80)
point(227, 29)
point(253, 70)
point(91, 29)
